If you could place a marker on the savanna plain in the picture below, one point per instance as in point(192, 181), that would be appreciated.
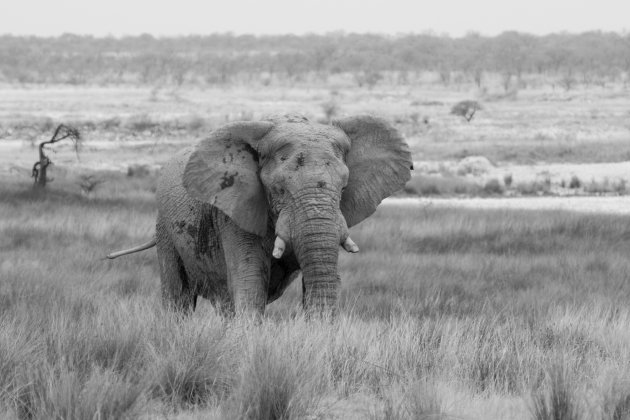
point(445, 313)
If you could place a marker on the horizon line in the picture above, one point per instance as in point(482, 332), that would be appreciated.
point(399, 34)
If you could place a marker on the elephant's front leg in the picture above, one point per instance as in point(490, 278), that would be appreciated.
point(248, 263)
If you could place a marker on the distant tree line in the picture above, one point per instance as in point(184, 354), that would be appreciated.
point(587, 58)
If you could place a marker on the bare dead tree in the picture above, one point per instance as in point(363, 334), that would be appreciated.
point(40, 167)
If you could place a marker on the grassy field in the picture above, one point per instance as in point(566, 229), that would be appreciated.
point(445, 314)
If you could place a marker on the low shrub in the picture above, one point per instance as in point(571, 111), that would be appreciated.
point(493, 187)
point(533, 188)
point(196, 123)
point(575, 182)
point(110, 123)
point(606, 186)
point(140, 122)
point(427, 185)
point(466, 109)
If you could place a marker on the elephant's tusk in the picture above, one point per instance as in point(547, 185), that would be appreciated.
point(350, 246)
point(278, 247)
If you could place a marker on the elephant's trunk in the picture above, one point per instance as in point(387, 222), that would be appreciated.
point(315, 237)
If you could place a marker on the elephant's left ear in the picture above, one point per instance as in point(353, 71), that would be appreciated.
point(379, 162)
point(223, 171)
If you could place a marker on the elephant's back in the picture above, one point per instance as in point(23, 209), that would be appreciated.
point(170, 192)
point(171, 173)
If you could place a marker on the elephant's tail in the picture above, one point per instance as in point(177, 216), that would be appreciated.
point(138, 248)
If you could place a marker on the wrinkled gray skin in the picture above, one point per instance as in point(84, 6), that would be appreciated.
point(223, 203)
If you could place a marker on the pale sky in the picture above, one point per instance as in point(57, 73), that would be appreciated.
point(185, 17)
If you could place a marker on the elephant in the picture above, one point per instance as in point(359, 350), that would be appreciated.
point(242, 212)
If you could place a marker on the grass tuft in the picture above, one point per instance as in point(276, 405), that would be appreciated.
point(276, 381)
point(560, 400)
point(65, 394)
point(186, 366)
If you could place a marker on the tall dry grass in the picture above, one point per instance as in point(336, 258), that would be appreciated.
point(444, 313)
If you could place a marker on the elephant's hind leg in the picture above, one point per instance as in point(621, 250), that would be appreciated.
point(177, 290)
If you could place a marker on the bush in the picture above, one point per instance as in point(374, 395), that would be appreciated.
point(466, 109)
point(369, 78)
point(606, 187)
point(533, 188)
point(621, 187)
point(601, 187)
point(474, 165)
point(110, 123)
point(493, 187)
point(196, 123)
point(575, 182)
point(138, 170)
point(140, 122)
point(429, 189)
point(425, 185)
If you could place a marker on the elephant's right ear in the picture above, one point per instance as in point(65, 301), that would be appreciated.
point(223, 171)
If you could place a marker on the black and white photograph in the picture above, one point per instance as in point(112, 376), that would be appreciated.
point(317, 209)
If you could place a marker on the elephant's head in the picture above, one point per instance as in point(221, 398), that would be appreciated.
point(313, 180)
